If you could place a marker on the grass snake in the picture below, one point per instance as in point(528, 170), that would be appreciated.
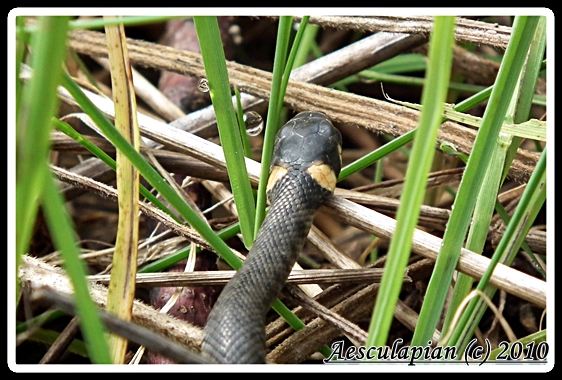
point(305, 165)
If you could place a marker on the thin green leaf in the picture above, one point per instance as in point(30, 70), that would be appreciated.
point(473, 177)
point(306, 45)
point(60, 226)
point(272, 123)
point(531, 202)
point(532, 129)
point(100, 23)
point(481, 221)
point(37, 106)
point(219, 88)
point(528, 342)
point(376, 155)
point(49, 337)
point(518, 112)
point(150, 174)
point(71, 132)
point(242, 125)
point(402, 63)
point(439, 67)
point(34, 183)
point(174, 258)
point(522, 105)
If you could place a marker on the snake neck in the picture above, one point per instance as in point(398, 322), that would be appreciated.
point(235, 331)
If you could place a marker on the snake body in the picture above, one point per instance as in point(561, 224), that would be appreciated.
point(305, 164)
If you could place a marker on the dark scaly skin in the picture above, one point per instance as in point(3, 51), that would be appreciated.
point(235, 329)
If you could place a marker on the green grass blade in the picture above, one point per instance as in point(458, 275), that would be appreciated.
point(215, 67)
point(242, 125)
point(62, 232)
point(37, 106)
point(295, 322)
point(204, 25)
point(402, 63)
point(291, 60)
point(295, 59)
point(100, 23)
point(376, 155)
point(34, 183)
point(433, 98)
point(272, 123)
point(399, 142)
point(529, 341)
point(150, 174)
point(306, 45)
point(473, 177)
point(21, 41)
point(49, 337)
point(483, 213)
point(71, 132)
point(174, 258)
point(39, 320)
point(522, 106)
point(518, 113)
point(531, 202)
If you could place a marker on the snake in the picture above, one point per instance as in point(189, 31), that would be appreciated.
point(305, 165)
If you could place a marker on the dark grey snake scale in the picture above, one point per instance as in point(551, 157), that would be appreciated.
point(305, 164)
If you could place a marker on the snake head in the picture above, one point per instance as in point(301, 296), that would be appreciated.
point(308, 142)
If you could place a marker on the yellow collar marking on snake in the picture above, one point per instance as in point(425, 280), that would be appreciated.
point(320, 172)
point(277, 172)
point(323, 175)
